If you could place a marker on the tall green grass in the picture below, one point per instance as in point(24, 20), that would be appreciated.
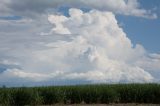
point(89, 94)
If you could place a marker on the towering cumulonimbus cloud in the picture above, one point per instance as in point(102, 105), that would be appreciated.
point(88, 46)
point(98, 40)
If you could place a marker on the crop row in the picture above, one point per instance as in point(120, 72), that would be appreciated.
point(88, 94)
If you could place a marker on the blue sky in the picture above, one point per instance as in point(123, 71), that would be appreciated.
point(79, 41)
point(144, 31)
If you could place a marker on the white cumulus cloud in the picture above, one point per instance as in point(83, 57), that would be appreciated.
point(87, 46)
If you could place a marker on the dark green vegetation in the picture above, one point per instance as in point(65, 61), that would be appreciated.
point(88, 94)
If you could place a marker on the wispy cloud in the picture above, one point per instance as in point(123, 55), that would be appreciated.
point(33, 8)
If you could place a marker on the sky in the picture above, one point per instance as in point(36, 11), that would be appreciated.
point(134, 27)
point(61, 42)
